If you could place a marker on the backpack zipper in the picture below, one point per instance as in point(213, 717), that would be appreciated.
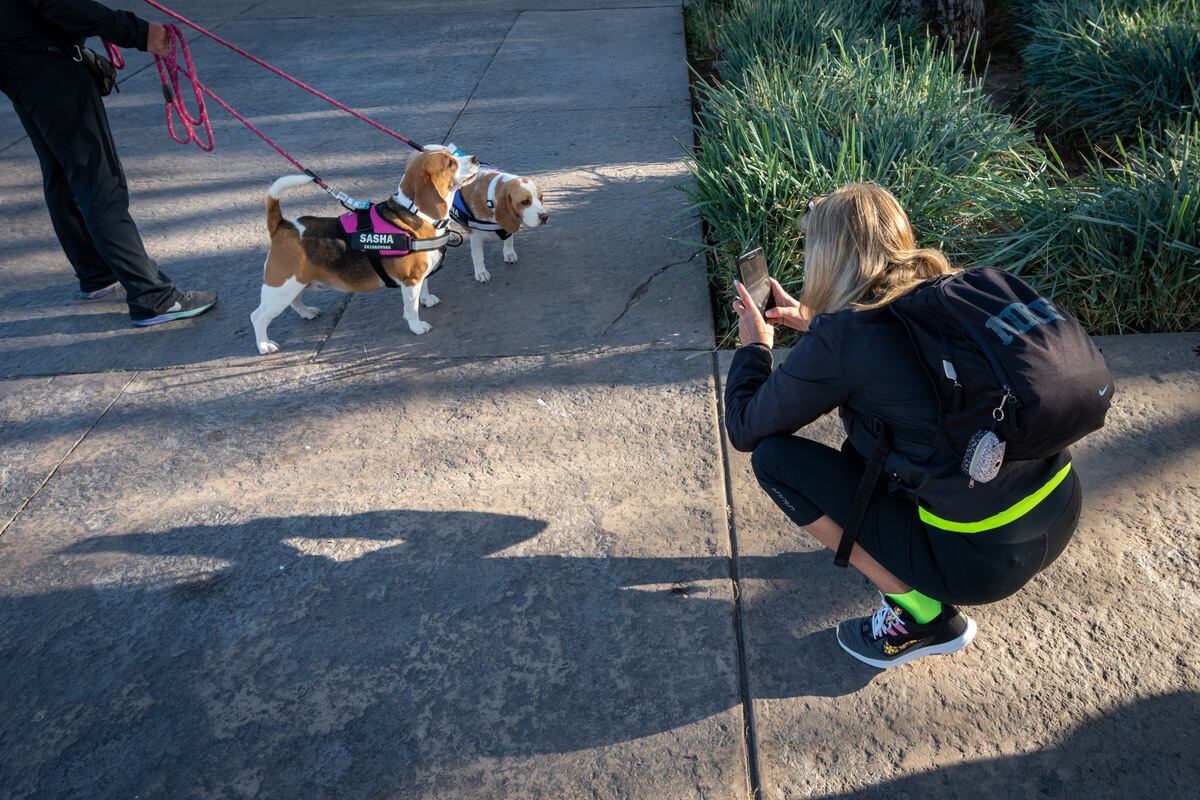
point(993, 362)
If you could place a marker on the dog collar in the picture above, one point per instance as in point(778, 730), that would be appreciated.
point(503, 177)
point(411, 207)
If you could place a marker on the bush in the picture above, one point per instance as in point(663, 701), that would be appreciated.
point(747, 32)
point(1120, 245)
point(902, 116)
point(804, 107)
point(1112, 68)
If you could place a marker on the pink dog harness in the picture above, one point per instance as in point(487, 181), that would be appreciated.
point(367, 231)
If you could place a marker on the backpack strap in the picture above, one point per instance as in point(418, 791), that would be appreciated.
point(862, 497)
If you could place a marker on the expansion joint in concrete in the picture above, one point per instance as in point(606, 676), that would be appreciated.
point(483, 74)
point(749, 734)
point(337, 317)
point(67, 455)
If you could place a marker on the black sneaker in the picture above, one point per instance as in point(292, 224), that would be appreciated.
point(891, 637)
point(189, 304)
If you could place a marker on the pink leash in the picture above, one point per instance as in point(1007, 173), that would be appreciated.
point(169, 72)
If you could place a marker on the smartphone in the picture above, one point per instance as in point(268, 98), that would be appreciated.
point(753, 269)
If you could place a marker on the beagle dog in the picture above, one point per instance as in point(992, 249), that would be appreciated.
point(318, 250)
point(500, 203)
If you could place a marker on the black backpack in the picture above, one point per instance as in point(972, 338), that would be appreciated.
point(1016, 377)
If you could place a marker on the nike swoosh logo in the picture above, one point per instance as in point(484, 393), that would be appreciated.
point(1104, 391)
point(895, 649)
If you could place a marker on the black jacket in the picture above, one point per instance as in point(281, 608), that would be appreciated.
point(61, 24)
point(862, 363)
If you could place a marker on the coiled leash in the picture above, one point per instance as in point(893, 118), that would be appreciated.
point(170, 73)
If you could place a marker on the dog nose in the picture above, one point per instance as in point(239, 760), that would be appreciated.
point(543, 218)
point(475, 161)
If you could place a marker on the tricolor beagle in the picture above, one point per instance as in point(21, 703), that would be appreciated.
point(497, 203)
point(317, 250)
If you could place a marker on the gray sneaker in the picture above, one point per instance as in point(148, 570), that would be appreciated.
point(103, 291)
point(891, 637)
point(189, 304)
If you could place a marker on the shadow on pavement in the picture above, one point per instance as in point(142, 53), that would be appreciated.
point(547, 302)
point(397, 642)
point(1144, 750)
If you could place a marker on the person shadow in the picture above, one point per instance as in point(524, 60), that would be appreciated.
point(349, 653)
point(1143, 749)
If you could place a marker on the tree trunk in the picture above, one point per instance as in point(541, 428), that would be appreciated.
point(956, 20)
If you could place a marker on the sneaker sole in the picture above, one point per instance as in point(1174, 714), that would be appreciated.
point(99, 293)
point(174, 315)
point(958, 643)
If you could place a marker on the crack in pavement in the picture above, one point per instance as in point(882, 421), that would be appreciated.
point(640, 290)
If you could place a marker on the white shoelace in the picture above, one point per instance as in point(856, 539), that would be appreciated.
point(886, 622)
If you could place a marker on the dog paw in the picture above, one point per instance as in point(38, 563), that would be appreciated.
point(419, 326)
point(309, 312)
point(510, 258)
point(267, 347)
point(430, 300)
point(482, 275)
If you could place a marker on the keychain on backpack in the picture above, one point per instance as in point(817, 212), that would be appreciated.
point(985, 454)
point(985, 451)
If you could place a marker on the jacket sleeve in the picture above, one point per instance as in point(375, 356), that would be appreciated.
point(761, 403)
point(83, 18)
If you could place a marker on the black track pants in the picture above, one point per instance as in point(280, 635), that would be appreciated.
point(808, 480)
point(60, 106)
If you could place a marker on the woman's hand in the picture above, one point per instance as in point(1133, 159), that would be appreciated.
point(788, 311)
point(752, 328)
point(157, 42)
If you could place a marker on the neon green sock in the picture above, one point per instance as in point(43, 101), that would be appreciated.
point(922, 608)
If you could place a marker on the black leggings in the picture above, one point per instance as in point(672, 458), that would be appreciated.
point(808, 480)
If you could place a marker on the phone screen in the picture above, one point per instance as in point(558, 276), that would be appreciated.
point(753, 269)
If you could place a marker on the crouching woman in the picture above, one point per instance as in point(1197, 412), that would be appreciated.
point(928, 540)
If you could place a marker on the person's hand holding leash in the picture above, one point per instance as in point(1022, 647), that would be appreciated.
point(788, 311)
point(157, 42)
point(752, 328)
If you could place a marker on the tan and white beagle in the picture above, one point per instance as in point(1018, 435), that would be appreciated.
point(314, 250)
point(498, 203)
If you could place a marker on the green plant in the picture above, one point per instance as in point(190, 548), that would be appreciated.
point(902, 116)
point(804, 108)
point(1111, 68)
point(1119, 245)
point(750, 31)
point(701, 21)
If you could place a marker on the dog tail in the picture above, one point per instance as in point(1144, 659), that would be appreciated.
point(274, 213)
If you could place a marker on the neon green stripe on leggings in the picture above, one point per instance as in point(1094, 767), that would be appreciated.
point(1006, 516)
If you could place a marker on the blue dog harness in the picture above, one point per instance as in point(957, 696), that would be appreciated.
point(463, 216)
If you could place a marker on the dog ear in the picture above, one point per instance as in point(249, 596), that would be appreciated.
point(429, 181)
point(508, 214)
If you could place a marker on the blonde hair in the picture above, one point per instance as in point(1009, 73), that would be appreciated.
point(860, 251)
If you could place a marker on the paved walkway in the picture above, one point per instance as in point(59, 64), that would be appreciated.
point(494, 561)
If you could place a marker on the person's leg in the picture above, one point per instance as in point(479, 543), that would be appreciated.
point(93, 273)
point(815, 486)
point(829, 533)
point(62, 102)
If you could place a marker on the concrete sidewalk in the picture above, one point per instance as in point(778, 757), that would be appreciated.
point(494, 561)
